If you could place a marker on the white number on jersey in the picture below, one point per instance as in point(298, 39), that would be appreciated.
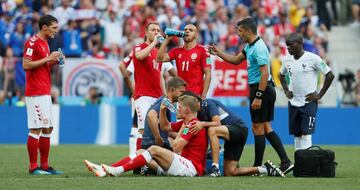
point(185, 66)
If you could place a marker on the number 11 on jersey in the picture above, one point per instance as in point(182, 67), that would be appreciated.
point(185, 66)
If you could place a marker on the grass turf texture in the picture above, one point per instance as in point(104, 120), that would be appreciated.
point(69, 159)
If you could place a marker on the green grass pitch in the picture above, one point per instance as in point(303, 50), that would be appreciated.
point(68, 158)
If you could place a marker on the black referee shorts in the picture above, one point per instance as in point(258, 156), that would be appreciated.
point(266, 112)
point(235, 145)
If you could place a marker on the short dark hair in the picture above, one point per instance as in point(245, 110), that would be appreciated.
point(175, 82)
point(46, 20)
point(294, 37)
point(190, 93)
point(248, 24)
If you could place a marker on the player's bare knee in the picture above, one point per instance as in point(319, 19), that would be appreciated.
point(154, 150)
point(47, 131)
point(35, 131)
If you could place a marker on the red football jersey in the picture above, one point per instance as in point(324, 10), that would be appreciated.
point(127, 60)
point(147, 74)
point(195, 150)
point(190, 65)
point(38, 80)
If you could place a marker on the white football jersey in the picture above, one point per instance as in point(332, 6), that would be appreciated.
point(303, 75)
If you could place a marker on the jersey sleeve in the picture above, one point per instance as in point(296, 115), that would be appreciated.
point(29, 50)
point(321, 65)
point(212, 109)
point(262, 56)
point(127, 60)
point(172, 53)
point(205, 59)
point(283, 69)
point(185, 133)
point(176, 126)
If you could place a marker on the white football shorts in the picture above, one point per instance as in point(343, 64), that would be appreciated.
point(39, 111)
point(181, 166)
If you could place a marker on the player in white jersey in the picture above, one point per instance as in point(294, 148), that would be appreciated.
point(303, 68)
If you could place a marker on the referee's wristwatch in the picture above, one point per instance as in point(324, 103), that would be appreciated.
point(259, 93)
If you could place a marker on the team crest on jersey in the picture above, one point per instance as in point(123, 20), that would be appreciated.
point(303, 66)
point(179, 56)
point(46, 121)
point(193, 56)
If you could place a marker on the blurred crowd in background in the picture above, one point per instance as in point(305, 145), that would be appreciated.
point(109, 29)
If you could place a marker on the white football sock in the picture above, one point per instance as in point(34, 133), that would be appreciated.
point(306, 141)
point(297, 142)
point(132, 141)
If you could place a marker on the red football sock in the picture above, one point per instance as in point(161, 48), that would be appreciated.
point(44, 147)
point(138, 143)
point(121, 162)
point(135, 163)
point(32, 147)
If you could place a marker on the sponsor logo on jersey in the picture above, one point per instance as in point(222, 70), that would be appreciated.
point(185, 131)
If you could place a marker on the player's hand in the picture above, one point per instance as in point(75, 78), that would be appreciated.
point(213, 50)
point(156, 40)
point(162, 106)
point(256, 104)
point(159, 141)
point(312, 97)
point(196, 127)
point(169, 38)
point(54, 56)
point(289, 94)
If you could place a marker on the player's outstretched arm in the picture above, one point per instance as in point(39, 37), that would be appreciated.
point(232, 59)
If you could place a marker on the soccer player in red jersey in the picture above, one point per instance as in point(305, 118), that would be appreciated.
point(37, 62)
point(147, 75)
point(126, 68)
point(193, 62)
point(192, 148)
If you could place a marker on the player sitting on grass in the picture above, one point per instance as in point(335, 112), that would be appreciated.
point(152, 133)
point(188, 158)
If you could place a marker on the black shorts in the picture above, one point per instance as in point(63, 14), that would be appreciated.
point(302, 120)
point(235, 145)
point(266, 112)
point(134, 119)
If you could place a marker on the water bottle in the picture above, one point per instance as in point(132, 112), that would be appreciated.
point(173, 32)
point(169, 105)
point(161, 39)
point(61, 59)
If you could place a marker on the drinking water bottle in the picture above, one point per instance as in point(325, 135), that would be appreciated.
point(61, 58)
point(161, 39)
point(169, 105)
point(173, 32)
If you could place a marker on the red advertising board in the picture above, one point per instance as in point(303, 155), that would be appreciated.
point(232, 80)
